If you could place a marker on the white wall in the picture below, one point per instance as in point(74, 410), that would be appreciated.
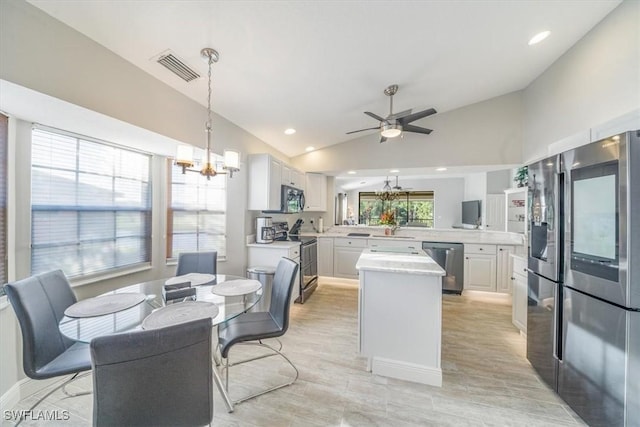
point(41, 53)
point(597, 80)
point(475, 188)
point(485, 133)
point(448, 194)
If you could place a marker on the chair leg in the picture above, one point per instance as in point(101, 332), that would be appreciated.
point(61, 386)
point(276, 352)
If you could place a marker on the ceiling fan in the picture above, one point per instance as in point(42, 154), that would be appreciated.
point(397, 187)
point(394, 124)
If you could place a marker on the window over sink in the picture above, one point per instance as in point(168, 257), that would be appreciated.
point(409, 208)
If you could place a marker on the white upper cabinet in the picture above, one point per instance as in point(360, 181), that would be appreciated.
point(315, 192)
point(495, 220)
point(265, 183)
point(292, 177)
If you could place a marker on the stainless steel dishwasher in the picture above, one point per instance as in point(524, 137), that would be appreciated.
point(449, 256)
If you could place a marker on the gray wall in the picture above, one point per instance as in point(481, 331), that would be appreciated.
point(597, 80)
point(498, 181)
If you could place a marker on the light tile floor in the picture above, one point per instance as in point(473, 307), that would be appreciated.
point(487, 379)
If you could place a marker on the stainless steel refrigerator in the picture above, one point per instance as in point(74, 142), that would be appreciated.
point(584, 278)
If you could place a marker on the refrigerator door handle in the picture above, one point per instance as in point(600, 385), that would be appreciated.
point(557, 324)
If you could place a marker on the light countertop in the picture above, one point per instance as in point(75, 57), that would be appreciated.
point(278, 244)
point(398, 260)
point(429, 235)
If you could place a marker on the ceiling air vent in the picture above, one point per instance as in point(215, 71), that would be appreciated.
point(176, 66)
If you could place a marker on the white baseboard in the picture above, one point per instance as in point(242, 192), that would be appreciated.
point(24, 388)
point(407, 371)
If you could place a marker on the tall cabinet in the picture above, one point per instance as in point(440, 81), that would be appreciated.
point(516, 210)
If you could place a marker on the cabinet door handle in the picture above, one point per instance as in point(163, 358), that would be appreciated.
point(467, 257)
point(513, 278)
point(481, 249)
point(500, 249)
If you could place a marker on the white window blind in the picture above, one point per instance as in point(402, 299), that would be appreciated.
point(91, 205)
point(197, 213)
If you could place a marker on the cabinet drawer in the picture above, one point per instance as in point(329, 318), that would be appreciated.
point(294, 252)
point(472, 248)
point(350, 243)
point(519, 266)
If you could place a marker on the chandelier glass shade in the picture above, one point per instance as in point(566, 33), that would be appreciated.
point(184, 154)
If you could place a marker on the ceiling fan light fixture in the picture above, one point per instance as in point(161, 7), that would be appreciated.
point(391, 130)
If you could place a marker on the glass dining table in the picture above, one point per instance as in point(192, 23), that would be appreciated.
point(84, 329)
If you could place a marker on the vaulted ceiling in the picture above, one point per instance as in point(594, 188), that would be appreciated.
point(316, 66)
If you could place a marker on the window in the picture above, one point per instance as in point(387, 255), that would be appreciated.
point(90, 205)
point(410, 208)
point(197, 214)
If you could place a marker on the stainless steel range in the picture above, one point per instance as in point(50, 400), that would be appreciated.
point(308, 256)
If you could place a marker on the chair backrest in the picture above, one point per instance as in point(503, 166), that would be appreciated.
point(154, 377)
point(197, 262)
point(283, 281)
point(39, 302)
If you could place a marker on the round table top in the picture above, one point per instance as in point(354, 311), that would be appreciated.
point(87, 328)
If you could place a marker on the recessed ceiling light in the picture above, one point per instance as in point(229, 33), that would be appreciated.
point(351, 172)
point(309, 148)
point(394, 171)
point(289, 131)
point(539, 37)
point(616, 137)
point(441, 169)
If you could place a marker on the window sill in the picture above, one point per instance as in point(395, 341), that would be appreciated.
point(171, 262)
point(88, 280)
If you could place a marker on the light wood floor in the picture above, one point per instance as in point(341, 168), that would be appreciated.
point(487, 380)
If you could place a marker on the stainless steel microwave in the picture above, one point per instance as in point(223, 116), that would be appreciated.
point(291, 200)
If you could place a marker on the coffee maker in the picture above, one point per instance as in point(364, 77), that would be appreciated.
point(264, 230)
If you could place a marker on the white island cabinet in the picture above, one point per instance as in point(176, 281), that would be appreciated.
point(400, 313)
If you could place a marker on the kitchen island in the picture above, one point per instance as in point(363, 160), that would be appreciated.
point(400, 313)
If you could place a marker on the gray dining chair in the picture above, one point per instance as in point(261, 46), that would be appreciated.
point(39, 303)
point(197, 262)
point(254, 327)
point(157, 377)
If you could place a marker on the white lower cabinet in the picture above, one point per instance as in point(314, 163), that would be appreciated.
point(520, 292)
point(503, 273)
point(345, 256)
point(325, 256)
point(480, 267)
point(480, 272)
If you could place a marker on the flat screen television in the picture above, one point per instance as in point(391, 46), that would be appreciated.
point(471, 212)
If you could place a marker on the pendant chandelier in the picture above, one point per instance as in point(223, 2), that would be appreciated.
point(184, 155)
point(387, 193)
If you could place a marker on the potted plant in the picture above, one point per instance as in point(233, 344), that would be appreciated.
point(389, 220)
point(521, 176)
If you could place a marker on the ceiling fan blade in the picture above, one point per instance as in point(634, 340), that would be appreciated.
point(400, 115)
point(375, 116)
point(362, 130)
point(382, 139)
point(416, 129)
point(415, 116)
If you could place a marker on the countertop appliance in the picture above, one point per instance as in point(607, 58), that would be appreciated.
point(264, 229)
point(583, 332)
point(291, 200)
point(308, 258)
point(449, 256)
